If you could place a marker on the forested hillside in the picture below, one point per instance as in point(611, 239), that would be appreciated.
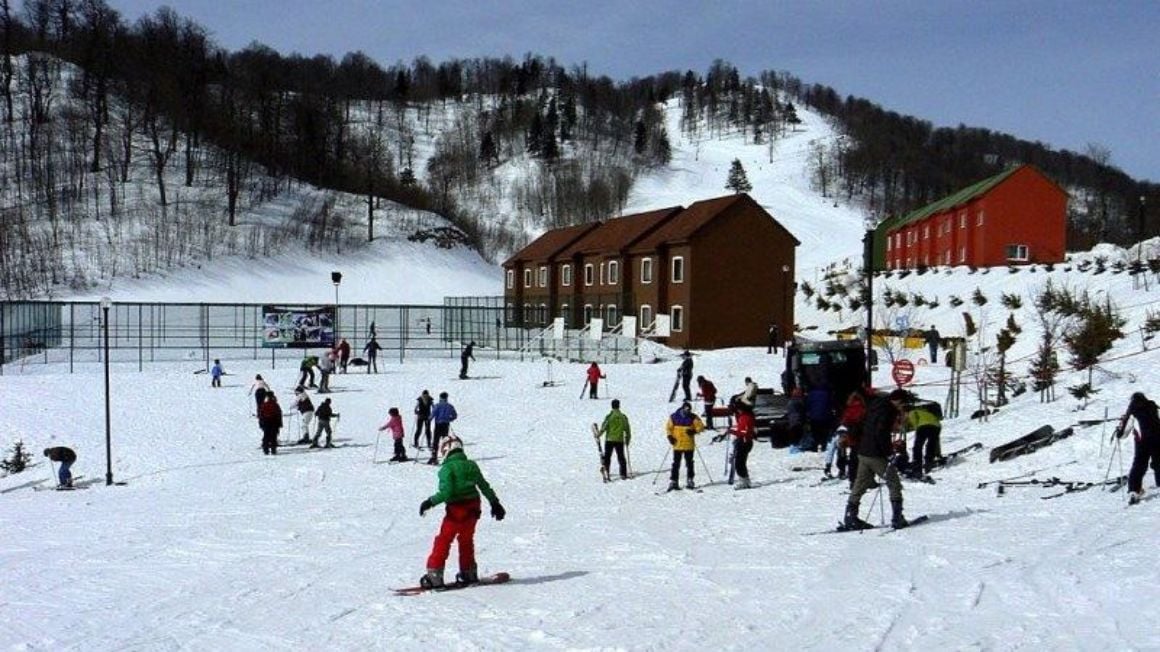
point(143, 135)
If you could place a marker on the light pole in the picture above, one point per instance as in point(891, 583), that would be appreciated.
point(868, 268)
point(785, 305)
point(106, 303)
point(1140, 247)
point(336, 278)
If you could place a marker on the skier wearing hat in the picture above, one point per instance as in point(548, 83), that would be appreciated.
point(460, 485)
point(681, 427)
point(1147, 431)
point(442, 414)
point(876, 455)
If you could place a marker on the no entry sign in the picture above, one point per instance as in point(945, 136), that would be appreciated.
point(902, 372)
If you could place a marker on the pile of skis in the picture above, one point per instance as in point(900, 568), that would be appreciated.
point(1043, 436)
point(1068, 486)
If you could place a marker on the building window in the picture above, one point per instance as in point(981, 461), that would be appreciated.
point(511, 278)
point(962, 254)
point(587, 313)
point(527, 278)
point(564, 313)
point(678, 269)
point(947, 257)
point(566, 274)
point(646, 316)
point(527, 312)
point(963, 221)
point(678, 318)
point(510, 312)
point(589, 275)
point(543, 316)
point(926, 232)
point(646, 270)
point(888, 244)
point(613, 272)
point(1017, 252)
point(609, 315)
point(602, 273)
point(979, 219)
point(543, 276)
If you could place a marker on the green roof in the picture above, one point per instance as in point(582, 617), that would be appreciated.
point(951, 201)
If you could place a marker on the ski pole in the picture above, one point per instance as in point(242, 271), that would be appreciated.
point(628, 458)
point(703, 463)
point(52, 471)
point(661, 468)
point(375, 457)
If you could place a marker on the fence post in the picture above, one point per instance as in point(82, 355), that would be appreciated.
point(71, 333)
point(404, 326)
point(140, 340)
point(3, 338)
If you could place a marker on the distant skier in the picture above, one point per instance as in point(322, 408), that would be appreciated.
point(1147, 432)
point(325, 367)
point(617, 434)
point(593, 376)
point(774, 343)
point(324, 414)
point(876, 452)
point(933, 340)
point(259, 388)
point(680, 429)
point(460, 485)
point(927, 427)
point(306, 371)
point(270, 421)
point(708, 393)
point(215, 374)
point(467, 354)
point(66, 456)
point(423, 406)
point(305, 412)
point(343, 355)
point(442, 414)
point(749, 394)
point(686, 373)
point(371, 349)
point(394, 423)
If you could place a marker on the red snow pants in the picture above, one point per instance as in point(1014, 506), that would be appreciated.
point(458, 523)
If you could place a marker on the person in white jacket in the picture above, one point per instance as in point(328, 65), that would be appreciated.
point(305, 412)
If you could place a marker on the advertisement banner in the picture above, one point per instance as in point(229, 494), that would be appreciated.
point(298, 328)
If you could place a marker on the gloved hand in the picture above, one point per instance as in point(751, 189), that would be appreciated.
point(672, 440)
point(720, 438)
point(424, 506)
point(497, 511)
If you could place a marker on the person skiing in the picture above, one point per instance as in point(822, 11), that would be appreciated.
point(1147, 438)
point(707, 391)
point(617, 434)
point(394, 423)
point(423, 417)
point(681, 428)
point(270, 421)
point(927, 427)
point(876, 452)
point(215, 373)
point(324, 414)
point(325, 367)
point(846, 437)
point(305, 412)
point(460, 485)
point(306, 371)
point(343, 355)
point(371, 349)
point(593, 379)
point(467, 354)
point(66, 456)
point(932, 339)
point(442, 414)
point(744, 431)
point(259, 388)
point(686, 372)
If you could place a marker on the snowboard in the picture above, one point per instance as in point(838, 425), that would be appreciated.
point(498, 578)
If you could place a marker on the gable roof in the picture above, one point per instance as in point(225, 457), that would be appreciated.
point(971, 192)
point(620, 233)
point(696, 216)
point(551, 243)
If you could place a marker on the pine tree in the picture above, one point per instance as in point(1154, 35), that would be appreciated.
point(738, 182)
point(1044, 368)
point(662, 151)
point(407, 178)
point(640, 138)
point(488, 150)
point(1098, 329)
point(17, 460)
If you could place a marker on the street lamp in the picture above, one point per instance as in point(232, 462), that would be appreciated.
point(1139, 246)
point(106, 303)
point(336, 278)
point(868, 269)
point(785, 304)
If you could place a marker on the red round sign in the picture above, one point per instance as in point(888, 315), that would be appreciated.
point(902, 372)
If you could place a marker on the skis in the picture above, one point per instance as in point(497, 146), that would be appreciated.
point(676, 386)
point(953, 456)
point(918, 520)
point(603, 469)
point(498, 578)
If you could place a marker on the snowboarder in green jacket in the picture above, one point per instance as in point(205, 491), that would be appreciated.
point(617, 434)
point(460, 484)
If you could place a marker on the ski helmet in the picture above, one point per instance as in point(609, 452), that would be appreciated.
point(450, 443)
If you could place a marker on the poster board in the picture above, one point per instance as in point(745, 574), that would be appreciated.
point(297, 328)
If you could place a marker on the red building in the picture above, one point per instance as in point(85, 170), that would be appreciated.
point(721, 269)
point(1018, 216)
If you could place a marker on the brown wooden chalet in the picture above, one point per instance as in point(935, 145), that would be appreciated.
point(721, 269)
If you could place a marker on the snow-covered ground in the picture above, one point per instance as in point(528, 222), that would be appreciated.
point(212, 546)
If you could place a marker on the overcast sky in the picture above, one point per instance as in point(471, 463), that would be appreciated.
point(1066, 73)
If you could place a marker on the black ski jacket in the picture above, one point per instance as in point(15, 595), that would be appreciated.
point(1147, 419)
point(877, 429)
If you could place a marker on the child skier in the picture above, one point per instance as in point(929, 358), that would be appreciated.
point(593, 376)
point(680, 429)
point(460, 483)
point(394, 423)
point(215, 373)
point(305, 412)
point(324, 413)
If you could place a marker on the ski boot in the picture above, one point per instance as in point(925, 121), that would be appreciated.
point(852, 522)
point(689, 484)
point(674, 486)
point(827, 471)
point(1134, 497)
point(469, 576)
point(304, 440)
point(433, 579)
point(742, 483)
point(314, 442)
point(897, 521)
